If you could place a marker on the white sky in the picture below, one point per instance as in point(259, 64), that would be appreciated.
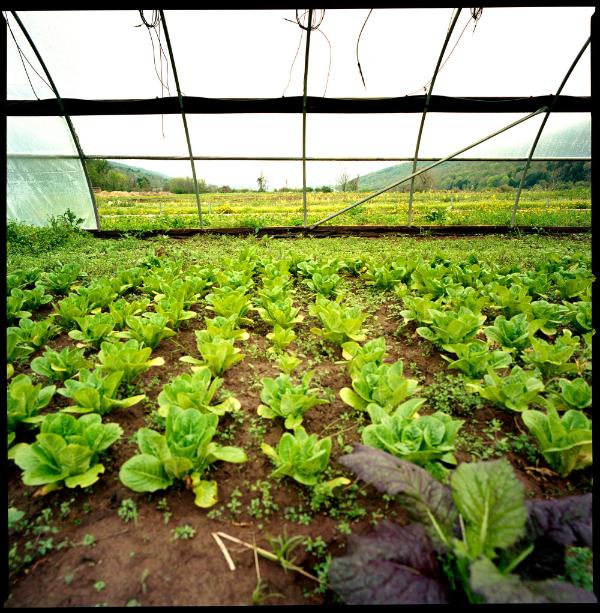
point(102, 54)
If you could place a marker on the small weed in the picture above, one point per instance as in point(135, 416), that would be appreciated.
point(128, 510)
point(99, 586)
point(448, 393)
point(264, 505)
point(68, 578)
point(579, 563)
point(283, 546)
point(183, 533)
point(88, 540)
point(234, 505)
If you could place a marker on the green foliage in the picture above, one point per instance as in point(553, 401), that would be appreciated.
point(149, 330)
point(516, 391)
point(357, 356)
point(16, 349)
point(25, 400)
point(565, 442)
point(66, 451)
point(419, 309)
point(422, 439)
point(195, 391)
point(552, 359)
point(340, 323)
point(280, 313)
point(449, 327)
point(512, 300)
point(100, 293)
point(548, 315)
point(299, 456)
point(184, 452)
point(15, 305)
point(218, 354)
point(96, 392)
point(70, 308)
point(323, 284)
point(380, 384)
point(173, 309)
point(60, 365)
point(579, 315)
point(475, 358)
point(35, 298)
point(512, 334)
point(93, 330)
point(35, 333)
point(281, 337)
point(223, 327)
point(121, 309)
point(130, 358)
point(61, 280)
point(282, 398)
point(388, 274)
point(227, 301)
point(575, 394)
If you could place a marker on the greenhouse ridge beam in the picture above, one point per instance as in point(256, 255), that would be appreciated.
point(207, 106)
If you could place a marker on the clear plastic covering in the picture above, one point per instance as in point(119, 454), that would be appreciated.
point(44, 174)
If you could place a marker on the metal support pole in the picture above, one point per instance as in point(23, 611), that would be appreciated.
point(304, 107)
point(185, 126)
point(65, 114)
point(435, 73)
point(541, 129)
point(415, 174)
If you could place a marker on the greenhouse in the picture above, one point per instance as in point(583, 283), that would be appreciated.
point(206, 405)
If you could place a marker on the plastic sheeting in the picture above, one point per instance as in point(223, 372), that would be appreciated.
point(40, 182)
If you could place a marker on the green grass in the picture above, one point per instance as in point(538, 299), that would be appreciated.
point(253, 209)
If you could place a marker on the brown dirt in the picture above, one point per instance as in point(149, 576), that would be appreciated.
point(142, 562)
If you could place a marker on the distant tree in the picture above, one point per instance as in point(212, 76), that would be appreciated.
point(342, 182)
point(353, 184)
point(262, 183)
point(143, 183)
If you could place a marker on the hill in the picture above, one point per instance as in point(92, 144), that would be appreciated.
point(114, 176)
point(574, 139)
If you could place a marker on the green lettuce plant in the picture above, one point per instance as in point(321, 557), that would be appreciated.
point(131, 359)
point(380, 384)
point(218, 354)
point(93, 330)
point(475, 358)
point(357, 355)
point(182, 453)
point(449, 327)
point(35, 298)
point(121, 309)
point(387, 274)
point(282, 398)
point(419, 309)
point(281, 337)
point(16, 349)
point(149, 330)
point(287, 362)
point(24, 401)
point(323, 284)
point(516, 391)
point(95, 392)
point(99, 294)
point(564, 441)
point(61, 280)
point(571, 284)
point(512, 300)
point(552, 359)
point(65, 452)
point(579, 315)
point(35, 333)
point(196, 391)
point(70, 308)
point(512, 334)
point(422, 439)
point(340, 323)
point(15, 305)
point(548, 315)
point(433, 280)
point(302, 457)
point(174, 311)
point(60, 365)
point(280, 313)
point(224, 327)
point(468, 297)
point(227, 301)
point(575, 394)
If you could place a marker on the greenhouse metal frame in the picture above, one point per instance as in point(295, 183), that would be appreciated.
point(421, 104)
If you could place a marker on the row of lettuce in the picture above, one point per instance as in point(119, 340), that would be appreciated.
point(534, 358)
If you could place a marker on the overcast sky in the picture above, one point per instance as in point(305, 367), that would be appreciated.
point(102, 54)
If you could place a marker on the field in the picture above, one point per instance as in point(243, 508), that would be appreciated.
point(290, 430)
point(123, 210)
